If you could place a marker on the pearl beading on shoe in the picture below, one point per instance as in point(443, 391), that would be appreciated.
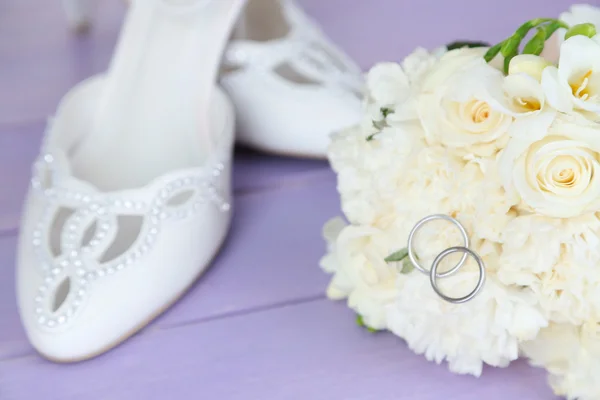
point(78, 262)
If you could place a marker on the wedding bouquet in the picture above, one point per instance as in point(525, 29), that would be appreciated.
point(506, 140)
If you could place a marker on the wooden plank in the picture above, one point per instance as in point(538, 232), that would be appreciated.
point(18, 149)
point(306, 351)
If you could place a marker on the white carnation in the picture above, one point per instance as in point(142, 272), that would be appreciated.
point(558, 260)
point(370, 172)
point(356, 258)
point(571, 355)
point(485, 330)
point(393, 87)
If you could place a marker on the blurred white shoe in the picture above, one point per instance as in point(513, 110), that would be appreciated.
point(290, 86)
point(131, 194)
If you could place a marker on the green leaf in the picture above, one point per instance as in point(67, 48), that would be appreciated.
point(397, 256)
point(465, 43)
point(402, 256)
point(535, 45)
point(379, 124)
point(511, 45)
point(407, 266)
point(360, 322)
point(385, 111)
point(492, 52)
point(586, 29)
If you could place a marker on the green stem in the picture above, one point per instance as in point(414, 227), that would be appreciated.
point(509, 47)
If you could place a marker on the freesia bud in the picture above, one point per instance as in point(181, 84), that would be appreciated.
point(586, 29)
point(529, 64)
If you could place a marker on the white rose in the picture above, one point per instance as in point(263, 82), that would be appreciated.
point(575, 84)
point(452, 105)
point(553, 165)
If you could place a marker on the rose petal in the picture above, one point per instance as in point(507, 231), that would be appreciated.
point(523, 132)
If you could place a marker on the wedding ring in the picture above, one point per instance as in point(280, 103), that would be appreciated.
point(411, 253)
point(433, 275)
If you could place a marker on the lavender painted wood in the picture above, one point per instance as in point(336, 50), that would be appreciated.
point(18, 148)
point(12, 335)
point(388, 30)
point(304, 351)
point(255, 171)
point(271, 257)
point(41, 59)
point(46, 59)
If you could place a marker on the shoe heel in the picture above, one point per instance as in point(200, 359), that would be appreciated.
point(158, 91)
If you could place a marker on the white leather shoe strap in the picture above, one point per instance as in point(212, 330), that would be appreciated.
point(305, 48)
point(169, 53)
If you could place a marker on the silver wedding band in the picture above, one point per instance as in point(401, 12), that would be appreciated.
point(433, 276)
point(419, 225)
point(433, 273)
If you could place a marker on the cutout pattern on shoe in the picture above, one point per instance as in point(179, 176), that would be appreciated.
point(305, 50)
point(311, 60)
point(88, 234)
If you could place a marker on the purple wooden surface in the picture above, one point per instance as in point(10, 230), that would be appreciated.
point(256, 326)
point(18, 148)
point(307, 351)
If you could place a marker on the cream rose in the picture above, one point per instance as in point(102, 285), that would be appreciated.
point(553, 165)
point(452, 105)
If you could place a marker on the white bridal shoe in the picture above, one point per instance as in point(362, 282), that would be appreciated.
point(130, 198)
point(290, 86)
